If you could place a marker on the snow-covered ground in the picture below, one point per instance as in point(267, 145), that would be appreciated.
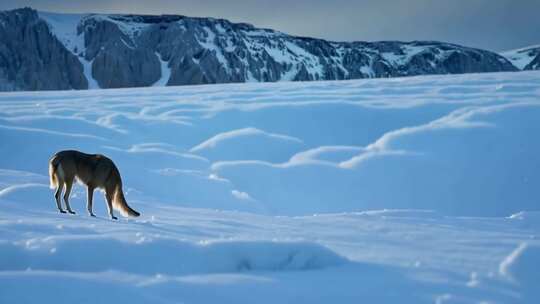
point(404, 190)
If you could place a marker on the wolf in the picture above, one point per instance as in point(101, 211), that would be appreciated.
point(92, 170)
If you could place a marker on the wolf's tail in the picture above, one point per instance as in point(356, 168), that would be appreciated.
point(119, 203)
point(53, 167)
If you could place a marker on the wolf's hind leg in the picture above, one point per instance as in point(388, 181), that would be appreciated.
point(89, 203)
point(57, 195)
point(69, 185)
point(109, 197)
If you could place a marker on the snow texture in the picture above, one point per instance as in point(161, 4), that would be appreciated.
point(404, 190)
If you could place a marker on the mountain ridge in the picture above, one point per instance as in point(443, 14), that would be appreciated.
point(117, 50)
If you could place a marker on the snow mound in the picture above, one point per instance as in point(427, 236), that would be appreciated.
point(247, 143)
point(148, 256)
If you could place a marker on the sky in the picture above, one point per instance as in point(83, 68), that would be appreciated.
point(495, 25)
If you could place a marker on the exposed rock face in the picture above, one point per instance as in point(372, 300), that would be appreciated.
point(204, 50)
point(122, 66)
point(116, 60)
point(128, 50)
point(534, 54)
point(31, 58)
point(534, 64)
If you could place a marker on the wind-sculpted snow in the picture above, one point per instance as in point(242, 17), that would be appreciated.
point(212, 142)
point(301, 148)
point(201, 255)
point(311, 192)
point(167, 256)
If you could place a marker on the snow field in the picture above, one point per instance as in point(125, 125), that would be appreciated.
point(261, 193)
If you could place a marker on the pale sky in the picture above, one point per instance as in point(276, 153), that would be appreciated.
point(495, 25)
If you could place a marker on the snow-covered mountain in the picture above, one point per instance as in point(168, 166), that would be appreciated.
point(527, 58)
point(61, 51)
point(403, 190)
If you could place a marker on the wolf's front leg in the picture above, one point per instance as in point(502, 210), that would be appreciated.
point(89, 203)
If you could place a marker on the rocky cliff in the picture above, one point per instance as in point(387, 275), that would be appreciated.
point(61, 51)
point(31, 58)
